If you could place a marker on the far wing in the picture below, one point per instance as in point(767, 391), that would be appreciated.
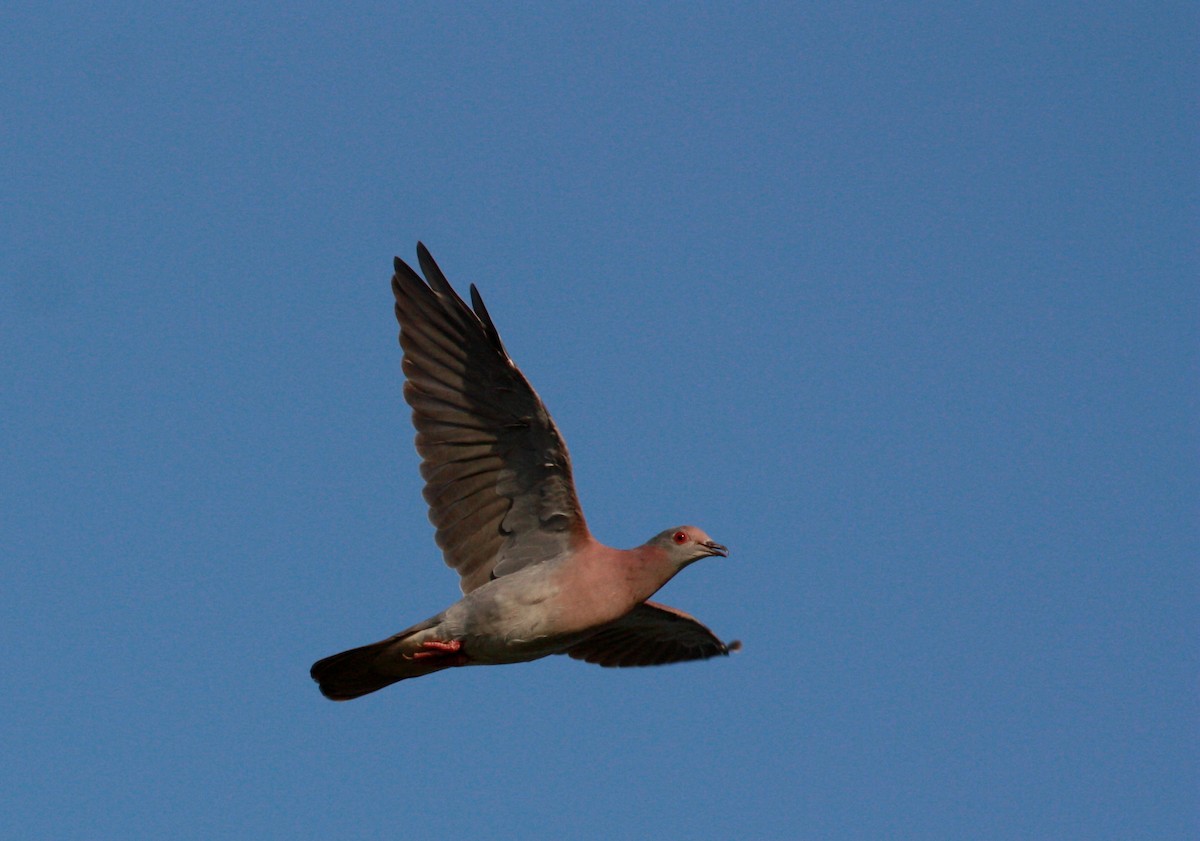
point(651, 635)
point(497, 473)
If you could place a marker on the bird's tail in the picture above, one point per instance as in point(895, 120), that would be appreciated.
point(360, 671)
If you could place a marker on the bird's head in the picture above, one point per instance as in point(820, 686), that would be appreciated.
point(685, 544)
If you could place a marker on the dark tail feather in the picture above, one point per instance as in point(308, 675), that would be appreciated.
point(360, 671)
point(352, 673)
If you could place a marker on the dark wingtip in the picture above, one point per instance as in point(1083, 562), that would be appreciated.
point(423, 254)
point(403, 273)
point(435, 281)
point(485, 319)
point(433, 275)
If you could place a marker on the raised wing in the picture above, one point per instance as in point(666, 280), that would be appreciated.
point(497, 473)
point(651, 634)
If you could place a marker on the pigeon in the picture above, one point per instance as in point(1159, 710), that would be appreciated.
point(498, 483)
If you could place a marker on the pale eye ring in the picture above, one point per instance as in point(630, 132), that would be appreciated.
point(680, 537)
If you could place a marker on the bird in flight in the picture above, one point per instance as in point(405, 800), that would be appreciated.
point(498, 483)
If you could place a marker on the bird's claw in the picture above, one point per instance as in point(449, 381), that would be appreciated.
point(436, 649)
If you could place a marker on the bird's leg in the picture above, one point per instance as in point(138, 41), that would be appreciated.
point(438, 650)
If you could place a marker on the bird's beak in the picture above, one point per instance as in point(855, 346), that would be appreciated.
point(715, 549)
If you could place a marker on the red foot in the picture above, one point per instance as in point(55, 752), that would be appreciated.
point(438, 650)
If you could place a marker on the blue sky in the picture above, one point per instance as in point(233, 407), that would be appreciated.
point(900, 303)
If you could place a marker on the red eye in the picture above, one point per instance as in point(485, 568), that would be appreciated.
point(680, 537)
